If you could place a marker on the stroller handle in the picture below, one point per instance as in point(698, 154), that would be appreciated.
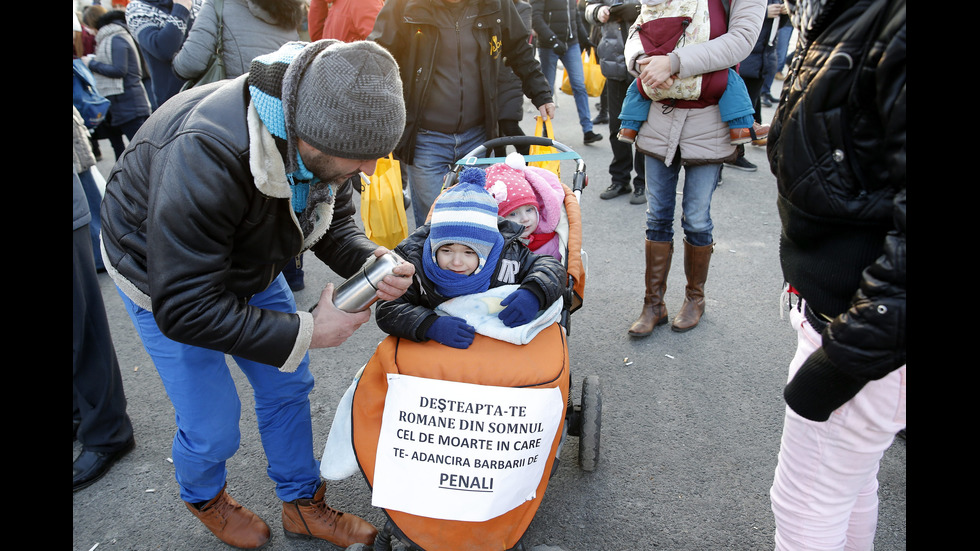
point(579, 180)
point(520, 140)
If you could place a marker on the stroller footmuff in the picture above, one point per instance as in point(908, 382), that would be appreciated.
point(458, 445)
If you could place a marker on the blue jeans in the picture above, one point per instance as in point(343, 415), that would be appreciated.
point(572, 60)
point(700, 182)
point(208, 410)
point(435, 155)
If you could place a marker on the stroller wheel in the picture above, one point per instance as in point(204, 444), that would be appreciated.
point(591, 423)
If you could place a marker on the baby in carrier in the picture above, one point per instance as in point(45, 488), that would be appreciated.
point(663, 26)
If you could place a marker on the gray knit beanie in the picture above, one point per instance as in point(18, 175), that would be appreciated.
point(349, 102)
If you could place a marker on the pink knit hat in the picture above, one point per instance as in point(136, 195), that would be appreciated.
point(509, 188)
point(547, 190)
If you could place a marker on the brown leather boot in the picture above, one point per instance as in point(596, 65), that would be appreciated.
point(232, 523)
point(314, 519)
point(654, 311)
point(696, 260)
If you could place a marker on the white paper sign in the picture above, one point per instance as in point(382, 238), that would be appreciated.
point(460, 451)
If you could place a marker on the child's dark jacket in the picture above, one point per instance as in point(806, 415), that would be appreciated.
point(411, 315)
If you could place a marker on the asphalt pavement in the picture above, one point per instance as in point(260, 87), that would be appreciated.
point(691, 421)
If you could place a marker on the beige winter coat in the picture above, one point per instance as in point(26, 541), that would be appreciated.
point(699, 135)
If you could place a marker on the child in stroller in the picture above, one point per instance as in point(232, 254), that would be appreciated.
point(532, 197)
point(407, 449)
point(466, 249)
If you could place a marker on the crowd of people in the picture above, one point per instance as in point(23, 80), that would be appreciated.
point(219, 188)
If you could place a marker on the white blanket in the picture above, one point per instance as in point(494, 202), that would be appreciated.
point(481, 310)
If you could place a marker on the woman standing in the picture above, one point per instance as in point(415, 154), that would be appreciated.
point(160, 27)
point(119, 77)
point(689, 134)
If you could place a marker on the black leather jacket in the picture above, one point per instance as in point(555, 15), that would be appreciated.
point(837, 148)
point(191, 231)
point(405, 28)
point(411, 315)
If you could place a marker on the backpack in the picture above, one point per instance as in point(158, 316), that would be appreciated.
point(92, 105)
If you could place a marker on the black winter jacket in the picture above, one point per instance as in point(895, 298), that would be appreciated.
point(411, 315)
point(510, 98)
point(404, 28)
point(837, 148)
point(557, 18)
point(191, 231)
point(762, 60)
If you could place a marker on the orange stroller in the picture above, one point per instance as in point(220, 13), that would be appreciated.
point(459, 445)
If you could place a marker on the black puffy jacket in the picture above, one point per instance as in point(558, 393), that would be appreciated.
point(837, 148)
point(191, 233)
point(557, 19)
point(411, 315)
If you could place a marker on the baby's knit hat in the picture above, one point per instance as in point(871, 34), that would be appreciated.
point(509, 186)
point(466, 214)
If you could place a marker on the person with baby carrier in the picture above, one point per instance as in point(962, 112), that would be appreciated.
point(689, 134)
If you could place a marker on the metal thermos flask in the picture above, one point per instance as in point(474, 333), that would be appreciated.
point(359, 292)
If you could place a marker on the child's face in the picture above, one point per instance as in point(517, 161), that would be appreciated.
point(457, 258)
point(526, 216)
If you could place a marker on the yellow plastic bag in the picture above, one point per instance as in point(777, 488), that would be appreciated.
point(383, 205)
point(594, 81)
point(543, 129)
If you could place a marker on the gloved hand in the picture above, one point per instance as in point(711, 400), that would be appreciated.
point(585, 43)
point(520, 308)
point(558, 46)
point(451, 331)
point(624, 12)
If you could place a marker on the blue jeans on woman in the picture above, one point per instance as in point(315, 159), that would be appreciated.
point(435, 155)
point(208, 410)
point(572, 60)
point(700, 182)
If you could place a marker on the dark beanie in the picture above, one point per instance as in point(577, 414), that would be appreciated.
point(349, 102)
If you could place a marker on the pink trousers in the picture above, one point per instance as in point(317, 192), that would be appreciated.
point(825, 492)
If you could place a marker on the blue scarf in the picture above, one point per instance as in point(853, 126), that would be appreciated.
point(267, 85)
point(450, 284)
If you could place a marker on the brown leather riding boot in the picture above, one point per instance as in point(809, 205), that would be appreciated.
point(696, 260)
point(654, 311)
point(232, 523)
point(314, 519)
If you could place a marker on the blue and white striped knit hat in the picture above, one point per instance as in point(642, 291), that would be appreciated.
point(466, 214)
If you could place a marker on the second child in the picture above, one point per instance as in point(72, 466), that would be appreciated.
point(531, 196)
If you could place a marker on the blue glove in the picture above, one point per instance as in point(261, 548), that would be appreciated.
point(521, 306)
point(451, 331)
